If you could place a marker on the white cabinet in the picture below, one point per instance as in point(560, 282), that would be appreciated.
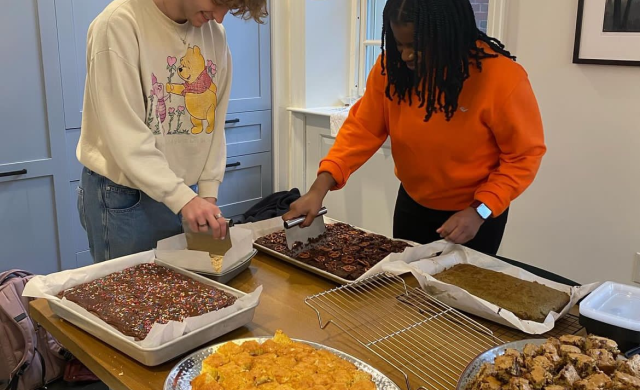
point(368, 199)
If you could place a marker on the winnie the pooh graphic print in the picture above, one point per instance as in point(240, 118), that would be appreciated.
point(198, 89)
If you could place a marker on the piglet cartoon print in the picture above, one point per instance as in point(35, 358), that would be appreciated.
point(161, 98)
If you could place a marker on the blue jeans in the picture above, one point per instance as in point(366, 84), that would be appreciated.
point(119, 220)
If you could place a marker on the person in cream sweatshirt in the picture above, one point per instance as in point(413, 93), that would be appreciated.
point(152, 139)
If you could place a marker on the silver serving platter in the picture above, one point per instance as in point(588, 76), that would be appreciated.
point(188, 368)
point(489, 356)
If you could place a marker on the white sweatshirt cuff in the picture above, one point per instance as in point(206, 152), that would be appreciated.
point(177, 199)
point(208, 189)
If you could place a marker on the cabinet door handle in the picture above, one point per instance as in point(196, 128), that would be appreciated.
point(13, 173)
point(232, 165)
point(232, 121)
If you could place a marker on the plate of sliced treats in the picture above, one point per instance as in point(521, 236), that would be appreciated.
point(569, 362)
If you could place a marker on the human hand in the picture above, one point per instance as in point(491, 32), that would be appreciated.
point(309, 205)
point(202, 214)
point(462, 227)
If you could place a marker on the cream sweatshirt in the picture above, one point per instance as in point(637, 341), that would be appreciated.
point(155, 106)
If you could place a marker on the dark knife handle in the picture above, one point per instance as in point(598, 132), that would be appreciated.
point(297, 221)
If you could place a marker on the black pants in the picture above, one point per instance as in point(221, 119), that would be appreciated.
point(413, 222)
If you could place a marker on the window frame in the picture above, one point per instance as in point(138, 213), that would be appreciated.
point(496, 27)
point(359, 44)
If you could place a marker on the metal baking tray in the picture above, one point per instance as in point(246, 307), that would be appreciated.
point(186, 370)
point(300, 264)
point(230, 273)
point(469, 374)
point(172, 349)
point(318, 271)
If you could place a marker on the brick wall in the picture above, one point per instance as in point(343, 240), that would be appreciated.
point(481, 9)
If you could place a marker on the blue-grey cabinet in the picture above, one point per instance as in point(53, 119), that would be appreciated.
point(34, 227)
point(246, 181)
point(248, 133)
point(248, 177)
point(74, 18)
point(250, 45)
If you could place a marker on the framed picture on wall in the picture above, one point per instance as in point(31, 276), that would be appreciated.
point(608, 32)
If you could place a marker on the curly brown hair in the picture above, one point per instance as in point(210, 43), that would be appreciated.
point(247, 9)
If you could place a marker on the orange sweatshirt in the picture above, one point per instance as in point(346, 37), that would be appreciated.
point(490, 150)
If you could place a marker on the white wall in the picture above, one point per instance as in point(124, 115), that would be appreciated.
point(327, 50)
point(310, 62)
point(581, 217)
point(280, 14)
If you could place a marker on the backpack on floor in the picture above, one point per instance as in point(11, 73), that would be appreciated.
point(33, 357)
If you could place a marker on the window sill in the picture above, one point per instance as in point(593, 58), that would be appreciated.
point(320, 111)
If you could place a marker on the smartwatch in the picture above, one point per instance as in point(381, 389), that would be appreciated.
point(482, 209)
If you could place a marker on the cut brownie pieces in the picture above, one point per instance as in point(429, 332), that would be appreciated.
point(567, 376)
point(576, 341)
point(567, 349)
point(631, 366)
point(585, 365)
point(551, 353)
point(518, 384)
point(343, 250)
point(625, 381)
point(507, 366)
point(489, 383)
point(604, 360)
point(531, 350)
point(564, 363)
point(596, 381)
point(539, 377)
point(595, 342)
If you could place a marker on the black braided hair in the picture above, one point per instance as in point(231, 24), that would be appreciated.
point(447, 38)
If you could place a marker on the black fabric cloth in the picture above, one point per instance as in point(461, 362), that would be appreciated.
point(274, 205)
point(414, 222)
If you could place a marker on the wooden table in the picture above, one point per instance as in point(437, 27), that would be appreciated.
point(281, 306)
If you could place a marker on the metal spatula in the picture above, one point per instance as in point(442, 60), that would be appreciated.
point(295, 233)
point(203, 241)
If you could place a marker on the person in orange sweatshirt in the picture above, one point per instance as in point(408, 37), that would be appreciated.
point(465, 128)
